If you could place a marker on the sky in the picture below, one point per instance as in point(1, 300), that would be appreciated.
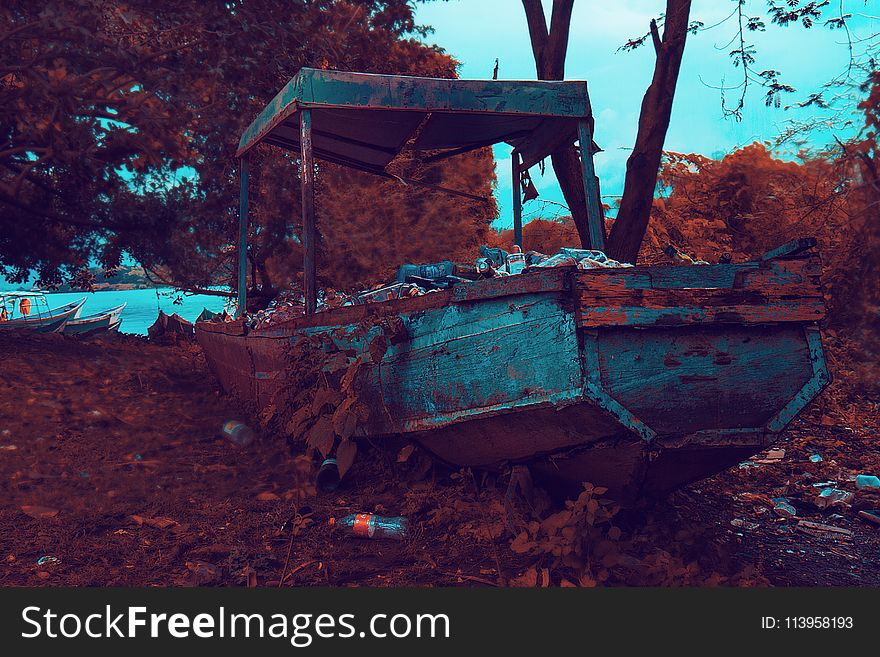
point(476, 32)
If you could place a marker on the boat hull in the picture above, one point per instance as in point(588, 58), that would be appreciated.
point(641, 379)
point(53, 322)
point(106, 321)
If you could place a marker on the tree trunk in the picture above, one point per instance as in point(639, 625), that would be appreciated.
point(549, 48)
point(644, 162)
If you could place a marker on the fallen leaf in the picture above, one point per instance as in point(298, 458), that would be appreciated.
point(213, 551)
point(345, 454)
point(203, 572)
point(39, 512)
point(251, 577)
point(321, 436)
point(158, 523)
point(528, 579)
point(404, 454)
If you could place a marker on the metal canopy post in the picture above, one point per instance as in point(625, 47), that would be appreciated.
point(242, 236)
point(591, 189)
point(517, 202)
point(307, 184)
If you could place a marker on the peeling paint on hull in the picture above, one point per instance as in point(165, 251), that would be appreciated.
point(555, 368)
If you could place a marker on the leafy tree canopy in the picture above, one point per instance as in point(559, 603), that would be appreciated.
point(120, 122)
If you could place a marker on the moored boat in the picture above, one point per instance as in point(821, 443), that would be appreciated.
point(95, 323)
point(30, 311)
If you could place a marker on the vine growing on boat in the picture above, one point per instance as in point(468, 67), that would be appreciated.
point(321, 406)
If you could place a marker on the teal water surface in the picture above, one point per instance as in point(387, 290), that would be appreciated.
point(142, 305)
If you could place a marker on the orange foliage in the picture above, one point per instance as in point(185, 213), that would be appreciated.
point(370, 225)
point(542, 235)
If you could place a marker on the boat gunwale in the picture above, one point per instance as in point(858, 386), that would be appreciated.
point(534, 280)
point(105, 314)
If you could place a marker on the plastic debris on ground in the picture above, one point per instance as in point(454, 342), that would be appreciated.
point(831, 497)
point(825, 531)
point(416, 280)
point(868, 482)
point(784, 510)
point(744, 524)
point(238, 432)
point(48, 561)
point(369, 525)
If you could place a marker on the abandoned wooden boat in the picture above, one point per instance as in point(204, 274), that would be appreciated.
point(641, 379)
point(102, 322)
point(30, 311)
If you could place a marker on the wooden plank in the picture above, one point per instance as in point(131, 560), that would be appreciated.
point(540, 279)
point(517, 200)
point(307, 184)
point(661, 308)
point(804, 272)
point(688, 379)
point(791, 249)
point(746, 293)
point(591, 189)
point(468, 360)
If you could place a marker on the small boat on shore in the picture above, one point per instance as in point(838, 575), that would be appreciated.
point(101, 322)
point(170, 325)
point(640, 379)
point(30, 310)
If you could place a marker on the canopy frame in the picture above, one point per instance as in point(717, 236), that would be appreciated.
point(559, 111)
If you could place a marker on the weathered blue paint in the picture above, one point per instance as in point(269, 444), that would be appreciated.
point(468, 360)
point(748, 293)
point(339, 89)
point(682, 380)
point(702, 277)
point(819, 379)
point(307, 188)
point(794, 247)
point(517, 200)
point(507, 370)
point(595, 390)
point(591, 188)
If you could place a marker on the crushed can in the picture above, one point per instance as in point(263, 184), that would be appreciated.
point(238, 433)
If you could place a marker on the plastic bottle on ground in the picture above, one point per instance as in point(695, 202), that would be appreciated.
point(369, 525)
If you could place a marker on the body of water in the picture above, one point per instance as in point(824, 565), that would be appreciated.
point(142, 307)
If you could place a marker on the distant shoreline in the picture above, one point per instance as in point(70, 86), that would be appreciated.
point(106, 287)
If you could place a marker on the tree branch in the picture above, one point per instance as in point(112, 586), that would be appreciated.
point(557, 44)
point(655, 37)
point(538, 33)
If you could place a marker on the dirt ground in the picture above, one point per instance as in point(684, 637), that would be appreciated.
point(114, 472)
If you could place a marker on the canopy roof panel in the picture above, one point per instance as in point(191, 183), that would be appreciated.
point(364, 120)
